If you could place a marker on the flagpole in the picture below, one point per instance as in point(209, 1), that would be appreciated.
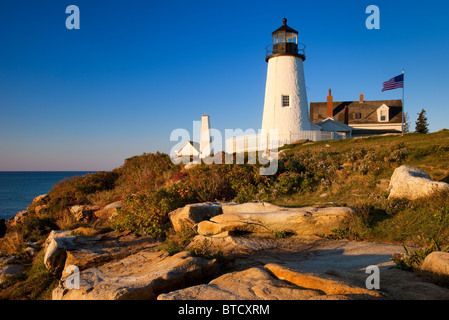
point(403, 115)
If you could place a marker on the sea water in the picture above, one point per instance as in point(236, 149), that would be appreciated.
point(19, 188)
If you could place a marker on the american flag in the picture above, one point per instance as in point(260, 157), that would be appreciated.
point(394, 83)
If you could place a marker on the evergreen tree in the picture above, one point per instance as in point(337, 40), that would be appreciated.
point(421, 123)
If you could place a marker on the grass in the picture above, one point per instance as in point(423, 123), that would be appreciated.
point(35, 283)
point(360, 177)
point(427, 151)
point(177, 241)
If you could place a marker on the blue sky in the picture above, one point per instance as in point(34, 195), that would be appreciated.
point(87, 99)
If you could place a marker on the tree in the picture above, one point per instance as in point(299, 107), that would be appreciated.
point(421, 123)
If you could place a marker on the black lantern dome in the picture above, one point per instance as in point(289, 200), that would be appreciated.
point(285, 42)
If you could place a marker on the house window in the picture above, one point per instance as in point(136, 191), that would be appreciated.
point(383, 113)
point(357, 115)
point(285, 101)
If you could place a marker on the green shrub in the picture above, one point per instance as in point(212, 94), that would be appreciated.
point(144, 173)
point(339, 234)
point(178, 241)
point(35, 227)
point(217, 182)
point(282, 234)
point(412, 259)
point(76, 190)
point(289, 182)
point(146, 213)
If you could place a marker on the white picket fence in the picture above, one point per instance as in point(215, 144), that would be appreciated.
point(260, 142)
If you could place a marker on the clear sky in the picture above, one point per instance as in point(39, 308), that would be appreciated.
point(135, 70)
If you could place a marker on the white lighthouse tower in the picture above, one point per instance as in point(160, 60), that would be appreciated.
point(285, 106)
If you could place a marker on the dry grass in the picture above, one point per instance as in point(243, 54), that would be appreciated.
point(65, 220)
point(12, 243)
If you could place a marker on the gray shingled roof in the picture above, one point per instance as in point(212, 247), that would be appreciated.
point(367, 109)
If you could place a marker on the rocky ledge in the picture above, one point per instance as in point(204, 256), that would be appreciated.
point(248, 265)
point(215, 218)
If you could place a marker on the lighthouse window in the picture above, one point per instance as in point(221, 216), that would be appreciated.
point(285, 101)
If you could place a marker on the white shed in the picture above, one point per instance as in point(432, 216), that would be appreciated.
point(340, 130)
point(189, 148)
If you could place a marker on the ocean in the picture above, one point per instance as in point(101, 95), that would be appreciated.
point(18, 189)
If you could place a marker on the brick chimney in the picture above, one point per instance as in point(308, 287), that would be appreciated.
point(346, 120)
point(330, 105)
point(361, 97)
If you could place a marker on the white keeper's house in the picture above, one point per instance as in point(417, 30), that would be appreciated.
point(363, 118)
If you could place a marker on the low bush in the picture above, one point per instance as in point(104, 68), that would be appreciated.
point(221, 182)
point(144, 173)
point(412, 259)
point(146, 213)
point(76, 190)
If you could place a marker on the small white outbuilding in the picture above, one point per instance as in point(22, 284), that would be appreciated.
point(200, 149)
point(189, 148)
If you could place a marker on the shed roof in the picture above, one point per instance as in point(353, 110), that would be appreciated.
point(191, 144)
point(337, 125)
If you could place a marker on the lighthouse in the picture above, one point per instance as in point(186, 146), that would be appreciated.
point(285, 105)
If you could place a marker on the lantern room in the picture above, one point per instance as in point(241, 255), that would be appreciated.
point(285, 42)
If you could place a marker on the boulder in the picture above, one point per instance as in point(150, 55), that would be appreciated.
point(38, 209)
point(413, 183)
point(274, 282)
point(109, 211)
point(299, 221)
point(191, 214)
point(143, 275)
point(436, 264)
point(5, 260)
point(83, 212)
point(250, 284)
point(9, 266)
point(19, 217)
point(30, 251)
point(397, 284)
point(229, 208)
point(64, 248)
point(39, 198)
point(231, 246)
point(190, 165)
point(327, 285)
point(9, 271)
point(56, 246)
